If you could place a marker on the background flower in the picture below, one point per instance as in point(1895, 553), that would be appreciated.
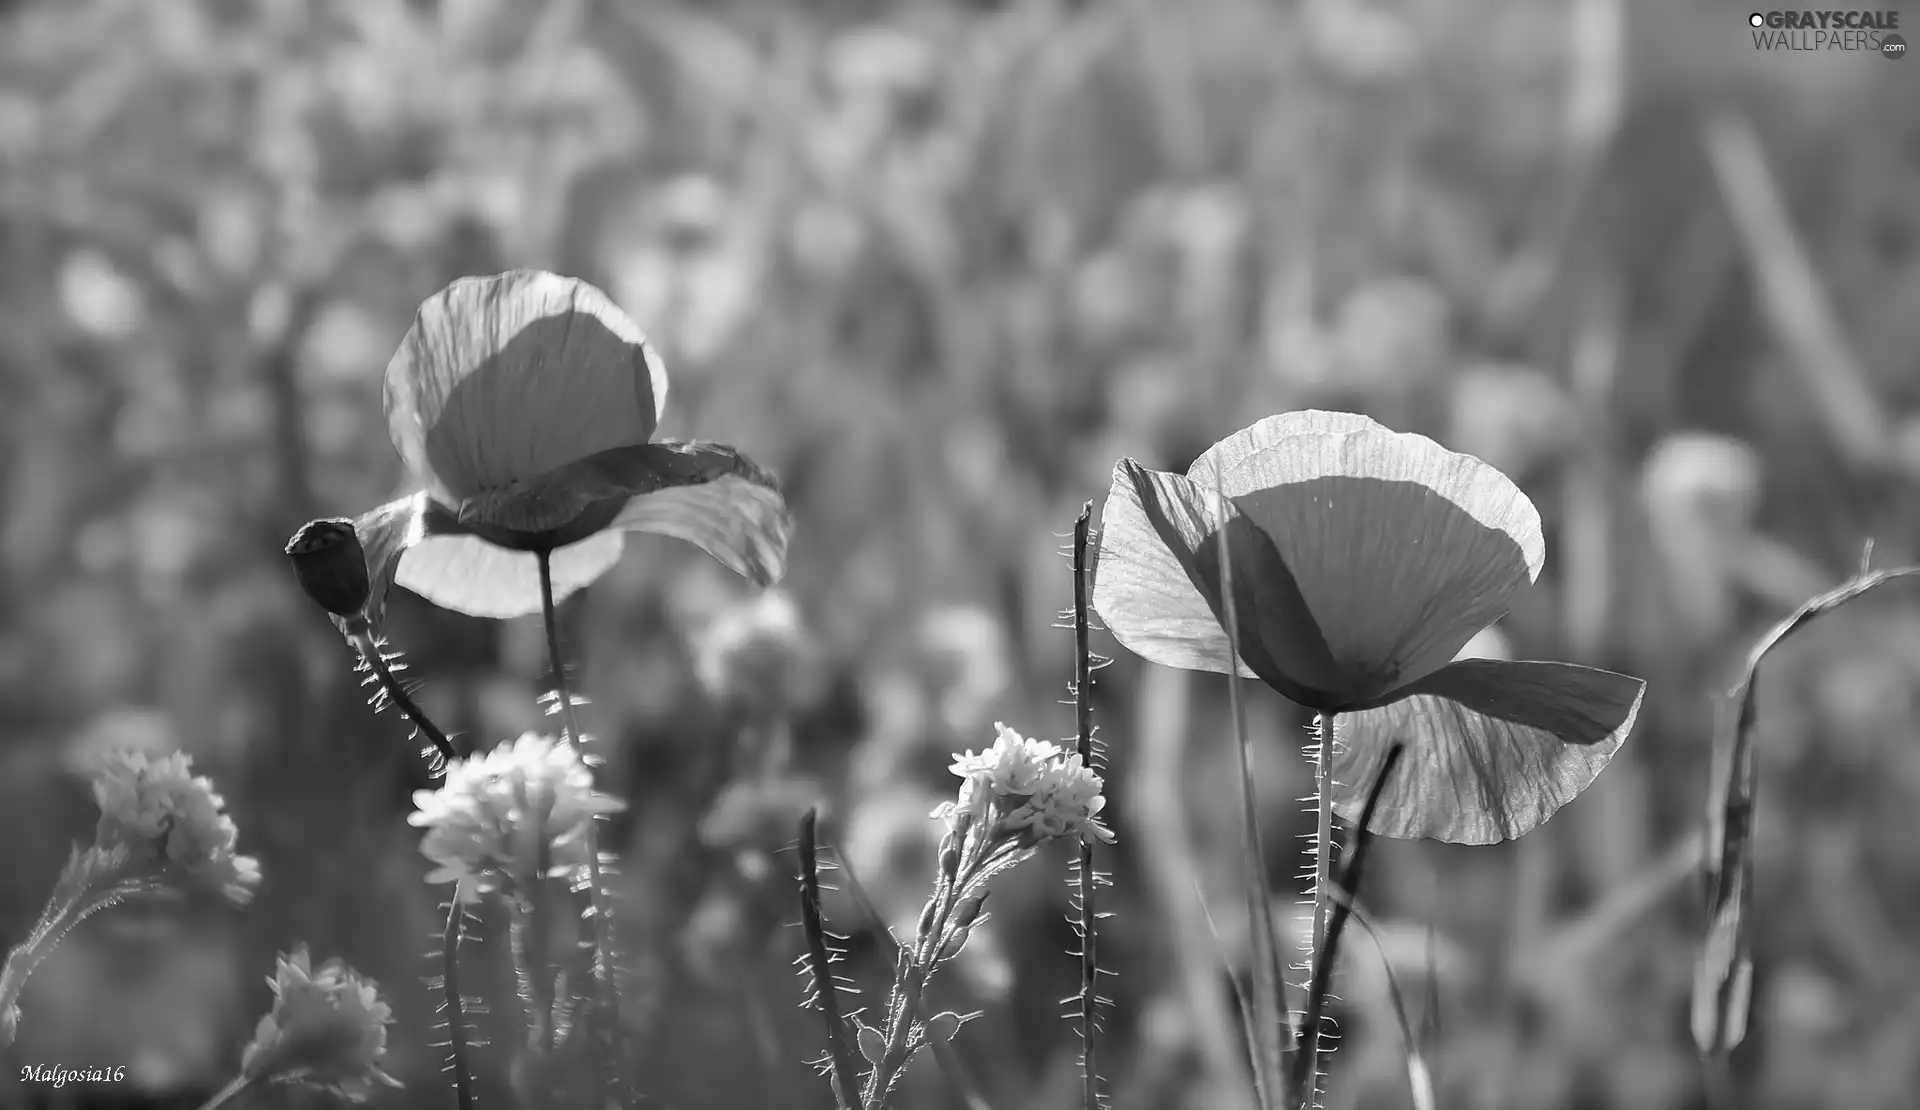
point(1364, 560)
point(526, 403)
point(327, 1029)
point(162, 812)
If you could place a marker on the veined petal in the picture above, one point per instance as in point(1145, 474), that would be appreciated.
point(469, 575)
point(385, 534)
point(1250, 442)
point(505, 378)
point(708, 494)
point(1493, 748)
point(1401, 549)
point(1157, 587)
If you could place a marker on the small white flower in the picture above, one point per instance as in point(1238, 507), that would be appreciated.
point(496, 814)
point(1014, 764)
point(1067, 802)
point(327, 1029)
point(163, 813)
point(1026, 787)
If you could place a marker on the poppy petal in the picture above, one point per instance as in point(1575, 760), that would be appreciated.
point(385, 534)
point(504, 378)
point(1227, 455)
point(469, 575)
point(1157, 587)
point(1493, 748)
point(709, 495)
point(1402, 549)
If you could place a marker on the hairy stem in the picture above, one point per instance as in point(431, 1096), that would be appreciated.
point(845, 1073)
point(456, 1008)
point(1087, 878)
point(369, 651)
point(1308, 1064)
point(607, 997)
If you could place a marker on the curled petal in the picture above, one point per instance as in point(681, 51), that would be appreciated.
point(707, 494)
point(1401, 549)
point(385, 534)
point(1157, 587)
point(502, 379)
point(1494, 748)
point(470, 575)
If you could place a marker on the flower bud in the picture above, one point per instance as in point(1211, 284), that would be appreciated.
point(331, 565)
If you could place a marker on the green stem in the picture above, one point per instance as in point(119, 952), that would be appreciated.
point(607, 997)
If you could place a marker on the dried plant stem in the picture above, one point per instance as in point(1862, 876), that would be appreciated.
point(607, 998)
point(368, 647)
point(1268, 998)
point(456, 1007)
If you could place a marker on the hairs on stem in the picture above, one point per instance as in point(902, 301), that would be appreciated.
point(1340, 901)
point(1085, 878)
point(607, 998)
point(822, 994)
point(455, 1007)
point(382, 667)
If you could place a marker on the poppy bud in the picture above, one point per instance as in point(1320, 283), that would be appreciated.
point(331, 565)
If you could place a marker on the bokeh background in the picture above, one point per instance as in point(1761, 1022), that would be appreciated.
point(940, 265)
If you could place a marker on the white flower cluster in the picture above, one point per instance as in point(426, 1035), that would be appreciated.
point(1027, 789)
point(497, 813)
point(164, 814)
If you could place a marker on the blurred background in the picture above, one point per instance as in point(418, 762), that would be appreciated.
point(939, 265)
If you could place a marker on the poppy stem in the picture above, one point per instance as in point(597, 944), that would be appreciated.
point(372, 652)
point(607, 997)
point(1311, 1033)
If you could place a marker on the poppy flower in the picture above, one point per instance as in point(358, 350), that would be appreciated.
point(1363, 561)
point(526, 405)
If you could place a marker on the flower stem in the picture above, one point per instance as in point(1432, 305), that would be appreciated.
point(607, 997)
point(228, 1093)
point(1321, 751)
point(456, 1008)
point(369, 650)
point(1086, 920)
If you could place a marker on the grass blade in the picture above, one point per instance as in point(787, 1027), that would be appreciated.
point(1269, 1061)
point(1419, 1076)
point(1723, 975)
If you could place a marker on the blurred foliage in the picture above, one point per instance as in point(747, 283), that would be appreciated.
point(940, 265)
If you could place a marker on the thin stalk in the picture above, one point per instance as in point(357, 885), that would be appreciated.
point(1307, 1062)
point(1338, 895)
point(228, 1093)
point(1086, 877)
point(845, 1073)
point(608, 998)
point(456, 1009)
point(368, 649)
point(1268, 1000)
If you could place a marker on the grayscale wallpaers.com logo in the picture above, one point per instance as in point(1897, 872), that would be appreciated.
point(1829, 30)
